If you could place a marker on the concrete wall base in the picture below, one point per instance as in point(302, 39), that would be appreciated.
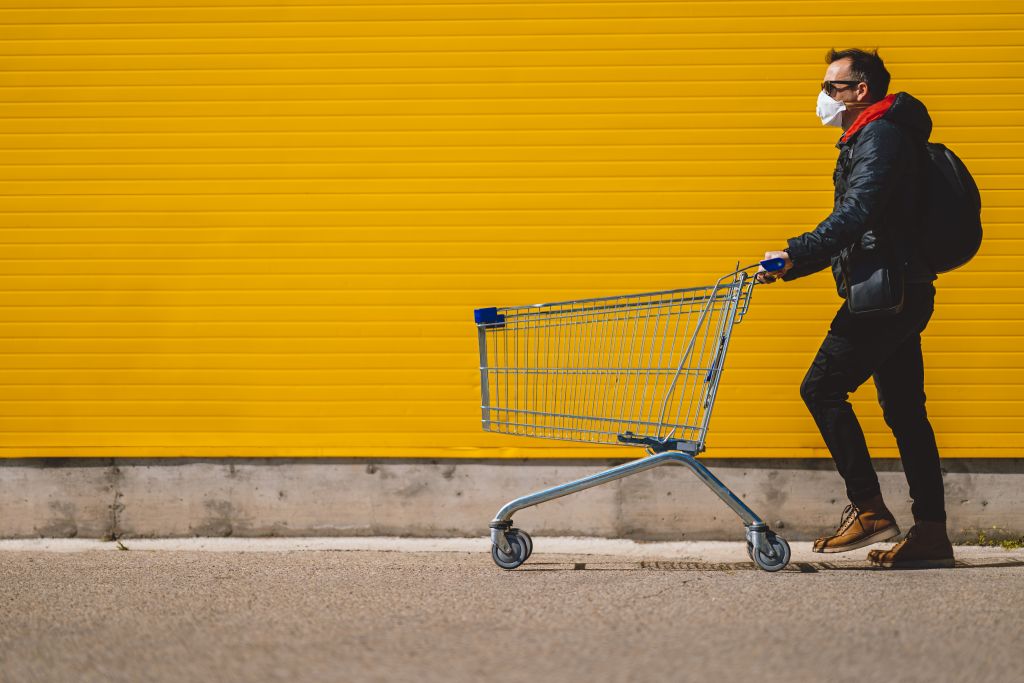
point(133, 498)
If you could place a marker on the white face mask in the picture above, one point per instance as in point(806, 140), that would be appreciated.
point(830, 111)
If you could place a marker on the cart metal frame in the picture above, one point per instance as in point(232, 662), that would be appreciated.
point(616, 370)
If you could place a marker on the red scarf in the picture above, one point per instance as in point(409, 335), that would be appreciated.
point(872, 113)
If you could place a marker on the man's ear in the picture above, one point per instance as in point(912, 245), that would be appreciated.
point(862, 92)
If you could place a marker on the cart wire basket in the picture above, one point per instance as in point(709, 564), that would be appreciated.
point(637, 370)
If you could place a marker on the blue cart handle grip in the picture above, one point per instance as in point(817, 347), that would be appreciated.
point(773, 264)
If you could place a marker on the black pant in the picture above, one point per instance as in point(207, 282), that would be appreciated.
point(887, 348)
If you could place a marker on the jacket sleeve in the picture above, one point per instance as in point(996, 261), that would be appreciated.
point(805, 268)
point(874, 167)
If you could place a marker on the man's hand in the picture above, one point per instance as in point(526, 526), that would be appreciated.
point(767, 278)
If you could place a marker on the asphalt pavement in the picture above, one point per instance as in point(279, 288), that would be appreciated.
point(325, 610)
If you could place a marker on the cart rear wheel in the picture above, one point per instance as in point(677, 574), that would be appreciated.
point(525, 538)
point(513, 559)
point(772, 564)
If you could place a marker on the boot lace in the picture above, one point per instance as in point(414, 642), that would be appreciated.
point(850, 514)
point(903, 541)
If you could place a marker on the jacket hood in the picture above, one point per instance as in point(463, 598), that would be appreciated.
point(902, 109)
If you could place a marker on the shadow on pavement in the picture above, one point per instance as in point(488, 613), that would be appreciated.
point(794, 567)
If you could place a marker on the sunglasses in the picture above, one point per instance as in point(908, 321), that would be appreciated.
point(829, 87)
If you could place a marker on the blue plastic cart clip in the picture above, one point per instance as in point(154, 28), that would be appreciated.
point(488, 316)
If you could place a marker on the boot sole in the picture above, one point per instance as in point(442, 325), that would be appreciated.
point(877, 537)
point(945, 563)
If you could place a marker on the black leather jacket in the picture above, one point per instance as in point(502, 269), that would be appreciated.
point(877, 196)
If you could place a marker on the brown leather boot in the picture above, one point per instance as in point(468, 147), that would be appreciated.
point(863, 524)
point(926, 547)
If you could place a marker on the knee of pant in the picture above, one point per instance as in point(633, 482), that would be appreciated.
point(815, 391)
point(807, 391)
point(898, 415)
point(818, 392)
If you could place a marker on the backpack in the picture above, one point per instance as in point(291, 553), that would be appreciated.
point(951, 219)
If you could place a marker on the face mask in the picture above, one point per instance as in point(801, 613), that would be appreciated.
point(830, 111)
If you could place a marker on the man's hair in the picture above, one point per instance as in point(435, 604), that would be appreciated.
point(864, 66)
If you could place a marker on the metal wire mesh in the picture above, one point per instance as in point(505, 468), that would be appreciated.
point(645, 365)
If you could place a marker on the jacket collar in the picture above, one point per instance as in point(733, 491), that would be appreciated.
point(872, 113)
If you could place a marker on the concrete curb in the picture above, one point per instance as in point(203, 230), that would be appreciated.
point(251, 497)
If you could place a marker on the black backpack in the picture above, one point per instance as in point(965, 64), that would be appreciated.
point(951, 223)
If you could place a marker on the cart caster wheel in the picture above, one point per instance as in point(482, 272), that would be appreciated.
point(750, 551)
point(771, 564)
point(516, 557)
point(525, 537)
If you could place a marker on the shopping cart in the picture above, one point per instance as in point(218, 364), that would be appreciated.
point(633, 370)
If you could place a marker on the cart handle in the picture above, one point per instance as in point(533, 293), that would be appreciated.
point(773, 264)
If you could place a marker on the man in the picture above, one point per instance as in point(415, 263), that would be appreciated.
point(876, 212)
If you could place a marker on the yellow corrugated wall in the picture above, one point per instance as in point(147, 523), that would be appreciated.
point(251, 228)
